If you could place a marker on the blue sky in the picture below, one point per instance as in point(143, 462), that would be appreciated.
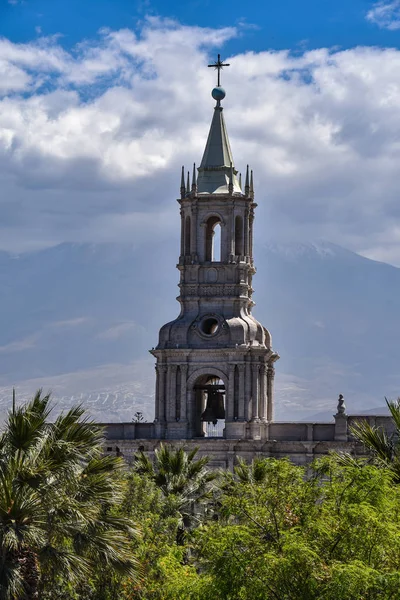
point(277, 24)
point(101, 103)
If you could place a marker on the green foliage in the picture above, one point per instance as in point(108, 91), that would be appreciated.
point(56, 490)
point(269, 531)
point(384, 449)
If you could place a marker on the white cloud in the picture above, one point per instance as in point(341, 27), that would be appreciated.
point(385, 14)
point(91, 140)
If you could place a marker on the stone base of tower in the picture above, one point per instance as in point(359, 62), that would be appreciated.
point(242, 379)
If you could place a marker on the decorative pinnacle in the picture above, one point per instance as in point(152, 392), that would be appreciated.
point(188, 183)
point(251, 186)
point(247, 184)
point(230, 185)
point(218, 66)
point(240, 181)
point(194, 182)
point(183, 190)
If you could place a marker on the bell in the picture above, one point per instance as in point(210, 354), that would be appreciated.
point(214, 408)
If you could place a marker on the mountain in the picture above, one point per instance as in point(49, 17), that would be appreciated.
point(80, 319)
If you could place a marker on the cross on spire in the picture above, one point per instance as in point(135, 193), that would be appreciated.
point(218, 66)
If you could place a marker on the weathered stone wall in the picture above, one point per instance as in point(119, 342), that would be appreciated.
point(300, 442)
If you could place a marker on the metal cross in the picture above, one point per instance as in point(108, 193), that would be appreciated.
point(218, 66)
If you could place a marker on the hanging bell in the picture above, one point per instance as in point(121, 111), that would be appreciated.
point(214, 408)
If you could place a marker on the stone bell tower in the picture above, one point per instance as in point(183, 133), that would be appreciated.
point(215, 363)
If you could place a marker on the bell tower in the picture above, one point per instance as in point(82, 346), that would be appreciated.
point(215, 363)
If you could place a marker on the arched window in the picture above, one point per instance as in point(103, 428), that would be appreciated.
point(239, 249)
point(187, 236)
point(213, 239)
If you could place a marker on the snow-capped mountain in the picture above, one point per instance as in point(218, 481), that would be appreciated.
point(80, 319)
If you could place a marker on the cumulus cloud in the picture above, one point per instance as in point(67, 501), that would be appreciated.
point(385, 14)
point(91, 140)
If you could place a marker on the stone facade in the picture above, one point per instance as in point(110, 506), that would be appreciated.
point(215, 337)
point(215, 362)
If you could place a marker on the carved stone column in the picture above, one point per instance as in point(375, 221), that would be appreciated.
point(184, 370)
point(232, 241)
point(162, 370)
point(247, 396)
point(182, 233)
point(242, 411)
point(251, 220)
point(246, 233)
point(171, 400)
point(263, 393)
point(230, 394)
point(270, 393)
point(255, 368)
point(193, 235)
point(157, 398)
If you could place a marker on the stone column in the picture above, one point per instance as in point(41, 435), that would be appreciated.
point(162, 369)
point(157, 399)
point(182, 233)
point(171, 401)
point(232, 240)
point(247, 396)
point(230, 394)
point(193, 234)
point(251, 220)
point(246, 233)
point(242, 411)
point(255, 391)
point(184, 370)
point(270, 392)
point(263, 394)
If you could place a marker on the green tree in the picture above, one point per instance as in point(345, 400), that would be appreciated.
point(56, 490)
point(329, 532)
point(185, 482)
point(384, 448)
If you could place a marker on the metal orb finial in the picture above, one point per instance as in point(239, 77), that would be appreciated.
point(218, 93)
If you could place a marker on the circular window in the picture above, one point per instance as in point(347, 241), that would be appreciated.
point(209, 326)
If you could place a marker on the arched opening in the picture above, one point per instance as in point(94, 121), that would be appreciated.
point(210, 406)
point(187, 236)
point(239, 246)
point(216, 247)
point(178, 394)
point(213, 240)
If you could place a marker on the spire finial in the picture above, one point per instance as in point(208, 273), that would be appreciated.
point(183, 190)
point(218, 66)
point(194, 182)
point(240, 181)
point(247, 184)
point(251, 186)
point(188, 183)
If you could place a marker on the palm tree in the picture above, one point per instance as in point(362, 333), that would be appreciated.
point(185, 482)
point(384, 448)
point(56, 489)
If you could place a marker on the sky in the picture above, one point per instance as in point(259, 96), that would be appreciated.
point(101, 102)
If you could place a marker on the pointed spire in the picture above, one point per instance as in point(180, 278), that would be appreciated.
point(240, 181)
point(183, 183)
point(194, 181)
point(247, 184)
point(251, 186)
point(215, 167)
point(188, 183)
